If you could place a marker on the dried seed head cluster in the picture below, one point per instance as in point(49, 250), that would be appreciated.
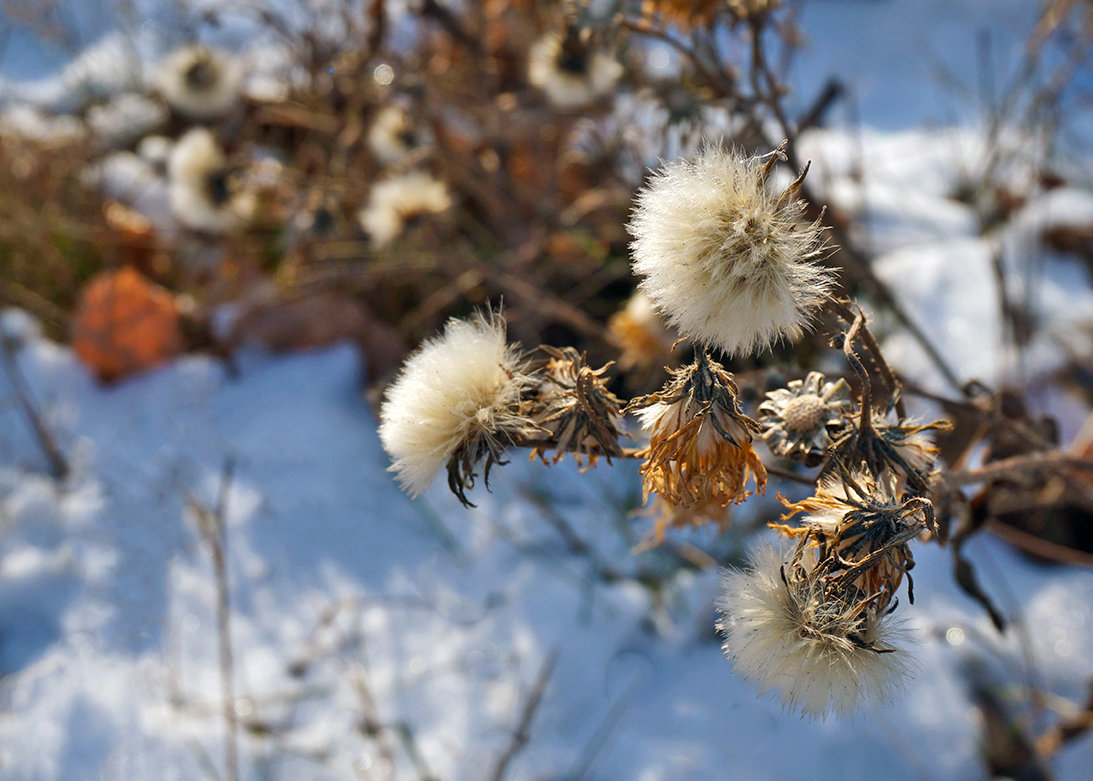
point(730, 261)
point(397, 201)
point(790, 628)
point(797, 420)
point(457, 401)
point(200, 83)
point(575, 408)
point(700, 452)
point(205, 192)
point(570, 71)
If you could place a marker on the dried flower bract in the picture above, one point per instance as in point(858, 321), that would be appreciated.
point(730, 261)
point(576, 409)
point(700, 452)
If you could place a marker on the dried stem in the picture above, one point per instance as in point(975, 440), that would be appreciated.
point(521, 736)
point(58, 465)
point(211, 524)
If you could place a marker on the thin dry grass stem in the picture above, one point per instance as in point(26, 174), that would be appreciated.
point(522, 734)
point(211, 524)
point(58, 464)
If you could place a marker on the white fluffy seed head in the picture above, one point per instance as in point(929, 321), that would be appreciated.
point(729, 261)
point(396, 200)
point(199, 191)
point(785, 637)
point(199, 82)
point(571, 82)
point(466, 382)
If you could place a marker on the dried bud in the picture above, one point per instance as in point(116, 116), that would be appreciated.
point(576, 408)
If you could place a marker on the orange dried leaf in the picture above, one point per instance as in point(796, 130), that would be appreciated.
point(125, 324)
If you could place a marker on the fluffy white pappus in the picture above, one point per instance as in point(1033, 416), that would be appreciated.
point(464, 383)
point(781, 634)
point(199, 82)
point(393, 136)
point(730, 262)
point(396, 200)
point(200, 192)
point(571, 79)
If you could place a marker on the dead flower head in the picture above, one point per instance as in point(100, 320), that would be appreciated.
point(457, 401)
point(570, 71)
point(905, 451)
point(575, 408)
point(205, 191)
point(396, 202)
point(791, 627)
point(640, 333)
point(861, 527)
point(730, 261)
point(199, 82)
point(700, 452)
point(797, 420)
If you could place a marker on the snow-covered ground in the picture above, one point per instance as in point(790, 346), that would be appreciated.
point(371, 632)
point(350, 602)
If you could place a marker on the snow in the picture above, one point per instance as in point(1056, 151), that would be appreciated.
point(352, 605)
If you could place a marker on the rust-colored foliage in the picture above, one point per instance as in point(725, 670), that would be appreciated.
point(124, 324)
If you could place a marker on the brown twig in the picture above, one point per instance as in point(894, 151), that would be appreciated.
point(211, 524)
point(1019, 466)
point(521, 735)
point(58, 465)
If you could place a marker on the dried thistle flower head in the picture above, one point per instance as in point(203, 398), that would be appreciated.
point(205, 192)
point(904, 450)
point(456, 401)
point(199, 82)
point(822, 651)
point(575, 409)
point(640, 333)
point(570, 71)
point(797, 420)
point(728, 260)
point(700, 452)
point(861, 526)
point(397, 201)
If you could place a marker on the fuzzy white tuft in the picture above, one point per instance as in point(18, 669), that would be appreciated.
point(786, 637)
point(199, 82)
point(394, 201)
point(200, 195)
point(393, 136)
point(730, 262)
point(572, 87)
point(461, 384)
